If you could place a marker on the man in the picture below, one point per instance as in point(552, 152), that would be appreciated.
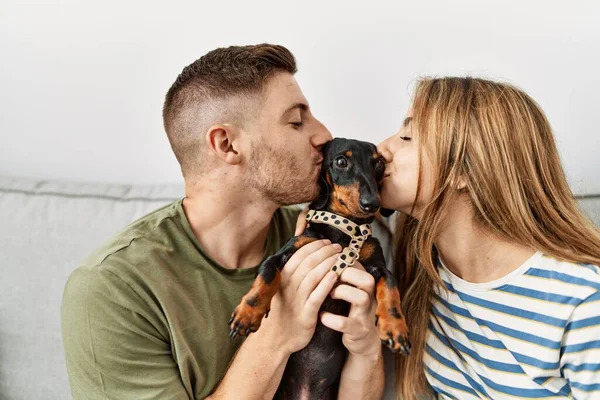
point(145, 316)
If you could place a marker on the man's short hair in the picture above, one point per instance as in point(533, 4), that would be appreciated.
point(215, 89)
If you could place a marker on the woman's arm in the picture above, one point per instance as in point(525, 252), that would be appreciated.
point(580, 361)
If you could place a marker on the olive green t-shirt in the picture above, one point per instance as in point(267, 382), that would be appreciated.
point(145, 316)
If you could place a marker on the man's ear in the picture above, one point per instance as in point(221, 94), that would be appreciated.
point(220, 140)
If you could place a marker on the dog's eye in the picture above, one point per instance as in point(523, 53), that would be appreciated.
point(379, 164)
point(341, 162)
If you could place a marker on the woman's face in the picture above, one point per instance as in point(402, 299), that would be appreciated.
point(399, 186)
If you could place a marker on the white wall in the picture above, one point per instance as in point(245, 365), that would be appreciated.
point(82, 82)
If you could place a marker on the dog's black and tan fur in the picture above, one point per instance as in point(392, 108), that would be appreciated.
point(351, 174)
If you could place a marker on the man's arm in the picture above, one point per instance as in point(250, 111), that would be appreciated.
point(256, 369)
point(363, 377)
point(115, 345)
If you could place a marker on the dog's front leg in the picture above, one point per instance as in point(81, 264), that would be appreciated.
point(393, 330)
point(248, 315)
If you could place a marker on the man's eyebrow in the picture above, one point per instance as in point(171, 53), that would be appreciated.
point(406, 121)
point(301, 106)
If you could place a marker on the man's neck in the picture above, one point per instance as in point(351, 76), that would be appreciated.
point(231, 228)
point(476, 255)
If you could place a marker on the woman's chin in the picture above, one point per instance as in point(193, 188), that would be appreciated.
point(385, 201)
point(391, 203)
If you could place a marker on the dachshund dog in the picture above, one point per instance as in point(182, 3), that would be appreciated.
point(347, 203)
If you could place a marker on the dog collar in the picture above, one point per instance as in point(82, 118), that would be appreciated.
point(358, 233)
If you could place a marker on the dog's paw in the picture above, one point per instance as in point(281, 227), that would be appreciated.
point(393, 331)
point(247, 316)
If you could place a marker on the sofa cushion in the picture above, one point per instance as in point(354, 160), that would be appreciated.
point(48, 228)
point(590, 205)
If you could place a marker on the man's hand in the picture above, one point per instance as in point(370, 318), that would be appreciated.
point(360, 335)
point(301, 221)
point(306, 280)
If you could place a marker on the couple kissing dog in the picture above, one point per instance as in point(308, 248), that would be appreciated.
point(346, 205)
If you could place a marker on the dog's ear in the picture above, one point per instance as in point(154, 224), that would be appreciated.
point(324, 187)
point(324, 192)
point(386, 212)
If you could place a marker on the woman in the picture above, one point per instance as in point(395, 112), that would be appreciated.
point(497, 266)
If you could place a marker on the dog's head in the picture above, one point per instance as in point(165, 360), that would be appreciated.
point(350, 178)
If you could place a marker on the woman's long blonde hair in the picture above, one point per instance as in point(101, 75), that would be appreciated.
point(496, 139)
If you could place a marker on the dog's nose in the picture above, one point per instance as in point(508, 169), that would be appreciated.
point(369, 204)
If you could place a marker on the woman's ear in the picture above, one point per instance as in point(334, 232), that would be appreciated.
point(461, 185)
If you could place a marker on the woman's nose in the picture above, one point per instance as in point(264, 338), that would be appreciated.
point(384, 152)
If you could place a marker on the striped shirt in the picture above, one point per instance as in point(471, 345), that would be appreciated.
point(534, 333)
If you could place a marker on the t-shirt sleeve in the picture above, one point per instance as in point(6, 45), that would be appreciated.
point(115, 344)
point(580, 360)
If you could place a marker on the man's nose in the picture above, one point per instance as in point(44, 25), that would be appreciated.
point(321, 136)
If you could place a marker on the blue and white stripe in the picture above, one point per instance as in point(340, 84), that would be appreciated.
point(534, 333)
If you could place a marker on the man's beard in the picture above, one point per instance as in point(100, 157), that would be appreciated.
point(275, 176)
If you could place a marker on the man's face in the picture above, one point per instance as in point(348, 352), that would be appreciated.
point(285, 143)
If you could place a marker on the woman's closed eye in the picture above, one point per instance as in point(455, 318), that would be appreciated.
point(405, 126)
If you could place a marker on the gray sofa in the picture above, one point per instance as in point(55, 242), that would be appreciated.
point(46, 229)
